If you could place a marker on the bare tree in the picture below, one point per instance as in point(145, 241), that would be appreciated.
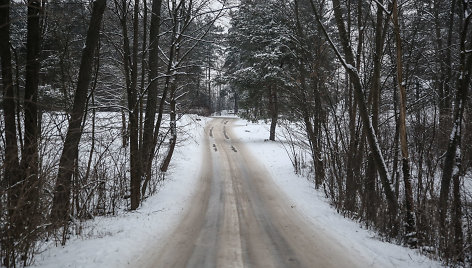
point(148, 144)
point(130, 64)
point(11, 162)
point(348, 63)
point(452, 168)
point(62, 191)
point(410, 216)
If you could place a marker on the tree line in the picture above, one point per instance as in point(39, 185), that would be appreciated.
point(377, 92)
point(91, 96)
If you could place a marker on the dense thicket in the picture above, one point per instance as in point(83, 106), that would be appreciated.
point(91, 95)
point(377, 92)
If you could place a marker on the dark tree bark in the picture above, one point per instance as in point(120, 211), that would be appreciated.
point(33, 43)
point(458, 253)
point(29, 162)
point(371, 172)
point(352, 180)
point(147, 147)
point(319, 118)
point(133, 105)
point(173, 129)
point(62, 190)
point(144, 68)
point(167, 85)
point(274, 110)
point(444, 73)
point(11, 161)
point(130, 62)
point(465, 69)
point(352, 165)
point(410, 226)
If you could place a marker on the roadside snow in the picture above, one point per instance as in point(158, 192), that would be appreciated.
point(116, 240)
point(315, 206)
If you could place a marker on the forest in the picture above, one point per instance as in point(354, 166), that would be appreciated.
point(378, 91)
point(374, 97)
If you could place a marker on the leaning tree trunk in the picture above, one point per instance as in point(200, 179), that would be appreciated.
point(173, 128)
point(180, 18)
point(177, 19)
point(62, 190)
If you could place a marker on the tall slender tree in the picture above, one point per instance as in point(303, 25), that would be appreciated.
point(11, 162)
point(410, 215)
point(62, 190)
point(148, 144)
point(451, 166)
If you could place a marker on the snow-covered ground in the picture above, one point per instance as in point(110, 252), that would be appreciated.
point(315, 206)
point(115, 241)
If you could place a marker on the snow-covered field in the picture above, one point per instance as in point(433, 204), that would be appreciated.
point(115, 241)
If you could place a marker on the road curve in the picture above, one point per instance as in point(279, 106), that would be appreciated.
point(239, 218)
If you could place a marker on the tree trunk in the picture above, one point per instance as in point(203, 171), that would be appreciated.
point(371, 173)
point(62, 190)
point(29, 162)
point(410, 227)
point(178, 27)
point(351, 189)
point(465, 69)
point(143, 75)
point(167, 86)
point(133, 105)
point(147, 147)
point(131, 75)
point(11, 161)
point(173, 129)
point(274, 111)
point(444, 76)
point(319, 119)
point(304, 106)
point(458, 252)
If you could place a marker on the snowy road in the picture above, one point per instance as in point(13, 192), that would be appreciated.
point(239, 218)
